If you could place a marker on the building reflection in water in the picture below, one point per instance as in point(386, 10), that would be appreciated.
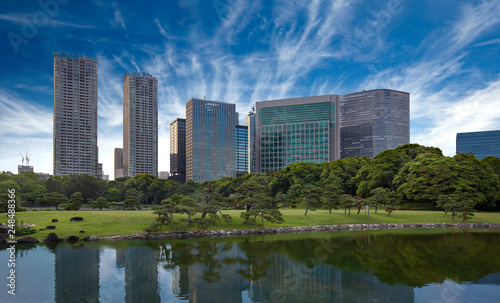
point(76, 273)
point(141, 275)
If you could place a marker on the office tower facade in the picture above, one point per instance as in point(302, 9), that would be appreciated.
point(241, 150)
point(326, 128)
point(296, 130)
point(140, 124)
point(483, 144)
point(373, 121)
point(210, 140)
point(178, 150)
point(75, 115)
point(118, 163)
point(252, 156)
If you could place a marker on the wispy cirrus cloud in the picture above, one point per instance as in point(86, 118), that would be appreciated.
point(441, 109)
point(22, 19)
point(25, 126)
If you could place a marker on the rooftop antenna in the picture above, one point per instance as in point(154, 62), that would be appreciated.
point(22, 157)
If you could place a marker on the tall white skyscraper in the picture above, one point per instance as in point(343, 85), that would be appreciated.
point(140, 124)
point(75, 115)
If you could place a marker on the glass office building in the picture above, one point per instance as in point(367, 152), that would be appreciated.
point(296, 130)
point(325, 128)
point(241, 150)
point(483, 144)
point(373, 121)
point(178, 150)
point(210, 140)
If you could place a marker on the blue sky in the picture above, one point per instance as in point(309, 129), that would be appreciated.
point(444, 53)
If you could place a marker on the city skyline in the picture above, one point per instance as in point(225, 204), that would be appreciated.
point(444, 54)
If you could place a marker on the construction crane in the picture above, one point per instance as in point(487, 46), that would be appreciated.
point(26, 157)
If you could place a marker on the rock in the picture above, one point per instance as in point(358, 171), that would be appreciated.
point(27, 240)
point(3, 241)
point(82, 231)
point(76, 219)
point(94, 238)
point(55, 220)
point(4, 230)
point(86, 239)
point(52, 238)
point(50, 227)
point(72, 239)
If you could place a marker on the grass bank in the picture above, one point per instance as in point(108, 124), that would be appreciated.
point(117, 223)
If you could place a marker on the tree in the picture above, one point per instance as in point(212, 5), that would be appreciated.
point(75, 201)
point(457, 203)
point(312, 195)
point(347, 201)
point(250, 193)
point(131, 203)
point(391, 202)
point(331, 195)
point(262, 211)
point(379, 195)
point(380, 172)
point(281, 198)
point(54, 199)
point(429, 175)
point(113, 195)
point(8, 187)
point(100, 203)
point(293, 194)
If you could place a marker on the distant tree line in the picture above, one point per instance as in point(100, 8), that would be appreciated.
point(411, 174)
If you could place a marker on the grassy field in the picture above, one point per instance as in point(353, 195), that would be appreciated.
point(115, 223)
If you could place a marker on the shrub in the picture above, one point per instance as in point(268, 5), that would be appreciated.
point(63, 206)
point(22, 209)
point(35, 209)
point(48, 209)
point(25, 230)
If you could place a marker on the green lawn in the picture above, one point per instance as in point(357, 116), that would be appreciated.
point(112, 223)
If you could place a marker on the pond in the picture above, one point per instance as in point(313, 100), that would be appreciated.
point(376, 266)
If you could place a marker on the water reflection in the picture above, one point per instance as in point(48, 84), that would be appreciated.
point(437, 266)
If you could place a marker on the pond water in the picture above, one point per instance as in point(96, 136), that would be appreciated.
point(377, 266)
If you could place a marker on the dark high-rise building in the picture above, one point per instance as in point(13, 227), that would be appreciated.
point(140, 124)
point(241, 150)
point(482, 144)
point(210, 140)
point(178, 150)
point(75, 115)
point(373, 121)
point(118, 163)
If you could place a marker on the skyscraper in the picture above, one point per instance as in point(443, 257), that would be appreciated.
point(296, 130)
point(178, 150)
point(210, 140)
point(118, 163)
point(241, 150)
point(482, 144)
point(373, 121)
point(75, 115)
point(252, 156)
point(326, 128)
point(140, 124)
